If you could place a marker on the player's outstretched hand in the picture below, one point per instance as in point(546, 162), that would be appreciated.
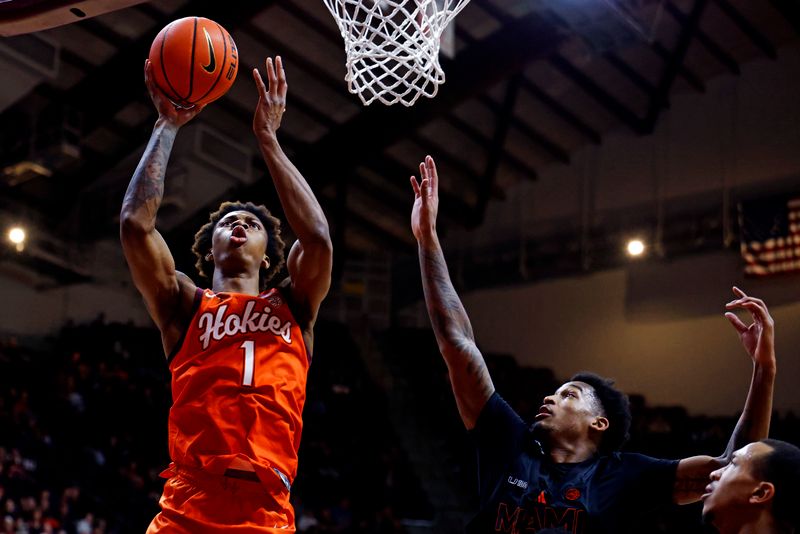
point(758, 338)
point(271, 100)
point(426, 200)
point(166, 109)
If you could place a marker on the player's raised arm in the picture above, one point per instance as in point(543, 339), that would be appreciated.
point(469, 376)
point(758, 339)
point(148, 256)
point(311, 257)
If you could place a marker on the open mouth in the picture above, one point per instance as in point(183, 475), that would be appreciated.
point(544, 411)
point(238, 236)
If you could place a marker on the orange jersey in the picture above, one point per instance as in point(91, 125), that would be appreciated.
point(239, 385)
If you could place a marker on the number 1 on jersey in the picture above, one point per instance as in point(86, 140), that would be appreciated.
point(249, 362)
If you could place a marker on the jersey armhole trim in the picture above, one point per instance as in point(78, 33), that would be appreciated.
point(198, 297)
point(287, 297)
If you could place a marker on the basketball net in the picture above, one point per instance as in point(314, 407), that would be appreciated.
point(392, 46)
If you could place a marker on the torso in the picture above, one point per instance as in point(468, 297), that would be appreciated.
point(238, 384)
point(522, 490)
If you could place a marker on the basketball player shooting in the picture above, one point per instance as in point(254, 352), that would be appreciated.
point(238, 352)
point(565, 472)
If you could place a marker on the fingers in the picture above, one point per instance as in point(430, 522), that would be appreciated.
point(424, 190)
point(272, 77)
point(148, 75)
point(756, 307)
point(262, 89)
point(432, 172)
point(736, 322)
point(738, 292)
point(282, 85)
point(415, 186)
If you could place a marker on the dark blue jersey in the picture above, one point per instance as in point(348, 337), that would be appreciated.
point(522, 491)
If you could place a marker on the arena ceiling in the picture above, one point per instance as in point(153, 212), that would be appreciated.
point(531, 83)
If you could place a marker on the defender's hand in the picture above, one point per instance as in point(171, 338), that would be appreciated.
point(426, 200)
point(757, 338)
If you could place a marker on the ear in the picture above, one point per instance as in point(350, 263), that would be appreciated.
point(763, 493)
point(265, 262)
point(209, 256)
point(600, 423)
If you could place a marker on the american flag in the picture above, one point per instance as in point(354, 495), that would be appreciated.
point(770, 238)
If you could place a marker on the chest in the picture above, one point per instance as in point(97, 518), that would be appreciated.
point(533, 496)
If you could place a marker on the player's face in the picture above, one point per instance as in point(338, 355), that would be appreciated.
point(727, 497)
point(239, 241)
point(569, 411)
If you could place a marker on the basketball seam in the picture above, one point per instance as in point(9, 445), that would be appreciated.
point(164, 67)
point(223, 63)
point(191, 65)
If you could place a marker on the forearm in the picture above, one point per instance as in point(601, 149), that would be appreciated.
point(753, 424)
point(449, 319)
point(303, 212)
point(469, 375)
point(146, 188)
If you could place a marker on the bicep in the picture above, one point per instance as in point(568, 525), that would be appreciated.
point(309, 267)
point(153, 271)
point(692, 476)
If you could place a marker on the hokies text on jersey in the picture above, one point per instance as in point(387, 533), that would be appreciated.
point(217, 326)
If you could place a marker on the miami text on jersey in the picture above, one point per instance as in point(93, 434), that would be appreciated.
point(535, 518)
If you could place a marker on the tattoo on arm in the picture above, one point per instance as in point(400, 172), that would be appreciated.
point(452, 327)
point(147, 185)
point(450, 321)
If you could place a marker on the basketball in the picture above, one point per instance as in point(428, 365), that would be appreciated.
point(194, 61)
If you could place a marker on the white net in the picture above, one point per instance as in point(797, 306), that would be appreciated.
point(393, 46)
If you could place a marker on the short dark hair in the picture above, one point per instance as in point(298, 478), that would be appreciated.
point(275, 245)
point(781, 467)
point(616, 408)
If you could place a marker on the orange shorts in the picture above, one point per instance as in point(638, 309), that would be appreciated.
point(196, 502)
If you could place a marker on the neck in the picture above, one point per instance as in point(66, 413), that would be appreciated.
point(571, 453)
point(240, 283)
point(762, 524)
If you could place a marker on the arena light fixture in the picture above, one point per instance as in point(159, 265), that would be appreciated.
point(635, 248)
point(17, 236)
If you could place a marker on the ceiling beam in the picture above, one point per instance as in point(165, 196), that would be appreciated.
point(477, 136)
point(594, 90)
point(504, 121)
point(686, 73)
point(632, 74)
point(550, 147)
point(713, 48)
point(660, 98)
point(748, 28)
point(562, 111)
point(790, 9)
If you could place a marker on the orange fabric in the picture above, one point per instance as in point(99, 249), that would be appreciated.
point(238, 386)
point(195, 502)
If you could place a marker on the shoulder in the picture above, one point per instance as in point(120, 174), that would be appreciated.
point(656, 473)
point(498, 419)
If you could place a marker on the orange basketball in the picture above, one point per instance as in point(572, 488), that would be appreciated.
point(194, 61)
